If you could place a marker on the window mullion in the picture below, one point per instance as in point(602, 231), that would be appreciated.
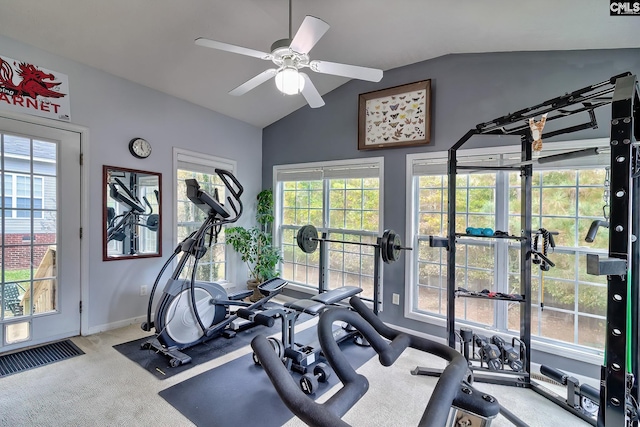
point(501, 266)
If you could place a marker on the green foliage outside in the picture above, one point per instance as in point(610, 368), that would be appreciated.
point(353, 206)
point(566, 201)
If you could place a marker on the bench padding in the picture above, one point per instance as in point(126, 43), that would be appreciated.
point(306, 306)
point(335, 295)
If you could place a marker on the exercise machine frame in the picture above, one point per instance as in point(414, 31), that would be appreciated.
point(205, 313)
point(619, 388)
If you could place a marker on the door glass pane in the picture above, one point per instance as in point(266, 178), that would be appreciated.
point(29, 235)
point(44, 291)
point(16, 149)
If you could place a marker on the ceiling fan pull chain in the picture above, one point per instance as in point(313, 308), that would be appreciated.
point(290, 37)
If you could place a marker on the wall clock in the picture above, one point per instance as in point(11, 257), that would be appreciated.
point(140, 148)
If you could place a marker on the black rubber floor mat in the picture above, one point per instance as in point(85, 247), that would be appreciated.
point(158, 364)
point(37, 356)
point(239, 393)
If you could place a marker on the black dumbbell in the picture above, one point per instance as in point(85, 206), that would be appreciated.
point(309, 382)
point(490, 353)
point(509, 354)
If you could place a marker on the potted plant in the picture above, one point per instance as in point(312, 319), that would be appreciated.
point(255, 244)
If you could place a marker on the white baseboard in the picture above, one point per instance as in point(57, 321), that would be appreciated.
point(114, 325)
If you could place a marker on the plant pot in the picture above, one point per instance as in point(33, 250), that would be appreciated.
point(252, 285)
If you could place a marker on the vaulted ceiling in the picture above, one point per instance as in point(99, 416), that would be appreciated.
point(151, 42)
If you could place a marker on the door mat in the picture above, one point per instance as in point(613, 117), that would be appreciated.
point(37, 356)
point(239, 393)
point(158, 364)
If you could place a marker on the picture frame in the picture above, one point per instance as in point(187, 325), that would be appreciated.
point(131, 213)
point(399, 116)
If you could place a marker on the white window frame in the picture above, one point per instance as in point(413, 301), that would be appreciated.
point(439, 160)
point(316, 169)
point(201, 162)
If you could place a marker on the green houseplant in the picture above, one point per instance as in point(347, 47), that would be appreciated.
point(255, 244)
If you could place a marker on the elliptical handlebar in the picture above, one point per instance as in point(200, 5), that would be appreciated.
point(235, 188)
point(216, 211)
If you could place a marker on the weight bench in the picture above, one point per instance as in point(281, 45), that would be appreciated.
point(298, 357)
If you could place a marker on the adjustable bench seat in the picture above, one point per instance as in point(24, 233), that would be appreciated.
point(317, 303)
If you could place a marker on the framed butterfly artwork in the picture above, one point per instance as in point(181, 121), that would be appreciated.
point(399, 116)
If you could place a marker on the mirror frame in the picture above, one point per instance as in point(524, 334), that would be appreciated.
point(105, 197)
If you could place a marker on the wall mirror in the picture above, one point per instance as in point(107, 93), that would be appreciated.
point(131, 213)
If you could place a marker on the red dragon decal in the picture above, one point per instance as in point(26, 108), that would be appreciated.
point(33, 81)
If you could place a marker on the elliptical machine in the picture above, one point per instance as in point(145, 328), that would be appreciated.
point(191, 312)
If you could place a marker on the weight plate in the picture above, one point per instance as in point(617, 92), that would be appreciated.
point(307, 238)
point(277, 346)
point(397, 244)
point(383, 247)
point(152, 222)
point(389, 246)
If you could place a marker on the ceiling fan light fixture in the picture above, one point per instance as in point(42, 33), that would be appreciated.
point(289, 81)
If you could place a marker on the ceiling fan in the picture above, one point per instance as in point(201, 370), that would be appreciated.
point(290, 56)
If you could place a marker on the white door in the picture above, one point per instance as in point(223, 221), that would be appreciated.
point(40, 230)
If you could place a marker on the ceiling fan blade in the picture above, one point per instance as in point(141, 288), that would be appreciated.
point(310, 93)
point(344, 70)
point(232, 48)
point(311, 30)
point(254, 82)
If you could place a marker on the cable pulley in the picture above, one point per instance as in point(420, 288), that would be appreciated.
point(390, 243)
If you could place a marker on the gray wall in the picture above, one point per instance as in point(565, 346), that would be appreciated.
point(116, 110)
point(467, 89)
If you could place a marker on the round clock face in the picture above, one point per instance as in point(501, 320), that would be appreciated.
point(140, 148)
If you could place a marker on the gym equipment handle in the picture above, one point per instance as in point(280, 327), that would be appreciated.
point(258, 318)
point(373, 329)
point(312, 413)
point(593, 230)
point(590, 393)
point(554, 374)
point(225, 176)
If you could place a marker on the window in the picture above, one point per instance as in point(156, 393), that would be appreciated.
point(569, 306)
point(342, 199)
point(18, 195)
point(212, 266)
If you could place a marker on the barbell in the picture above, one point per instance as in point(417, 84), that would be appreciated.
point(390, 243)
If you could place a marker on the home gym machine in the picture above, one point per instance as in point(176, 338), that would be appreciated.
point(191, 312)
point(302, 357)
point(453, 402)
point(619, 393)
